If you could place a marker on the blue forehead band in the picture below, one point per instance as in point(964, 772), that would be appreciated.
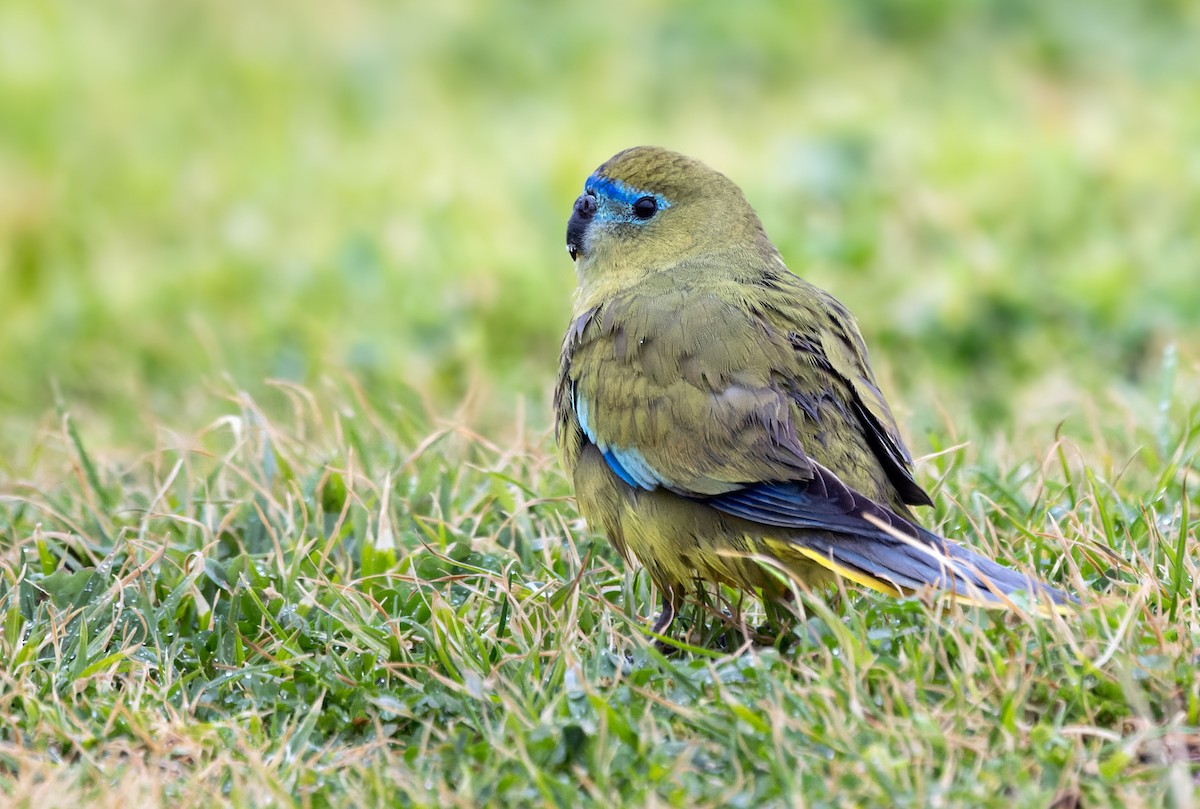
point(619, 192)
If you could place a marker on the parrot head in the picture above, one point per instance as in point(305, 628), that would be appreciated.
point(648, 208)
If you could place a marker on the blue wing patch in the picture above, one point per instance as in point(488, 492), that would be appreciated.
point(631, 467)
point(616, 467)
point(627, 464)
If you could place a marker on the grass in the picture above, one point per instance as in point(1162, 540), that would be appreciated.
point(347, 605)
point(282, 289)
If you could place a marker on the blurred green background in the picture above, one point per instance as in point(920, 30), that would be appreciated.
point(195, 197)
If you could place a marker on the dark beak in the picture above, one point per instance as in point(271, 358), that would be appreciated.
point(585, 209)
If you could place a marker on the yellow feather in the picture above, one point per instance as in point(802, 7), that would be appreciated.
point(854, 575)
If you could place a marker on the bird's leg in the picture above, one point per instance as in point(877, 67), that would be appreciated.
point(662, 624)
point(667, 615)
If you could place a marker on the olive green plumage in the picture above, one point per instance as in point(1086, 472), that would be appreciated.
point(715, 410)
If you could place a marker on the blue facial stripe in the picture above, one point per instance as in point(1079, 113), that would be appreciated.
point(620, 193)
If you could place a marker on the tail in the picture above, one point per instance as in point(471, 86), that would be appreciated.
point(855, 537)
point(913, 560)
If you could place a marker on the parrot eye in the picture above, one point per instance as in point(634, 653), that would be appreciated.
point(645, 207)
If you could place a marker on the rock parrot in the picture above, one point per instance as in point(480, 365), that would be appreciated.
point(717, 413)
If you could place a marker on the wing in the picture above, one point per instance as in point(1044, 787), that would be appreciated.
point(838, 348)
point(677, 390)
point(750, 382)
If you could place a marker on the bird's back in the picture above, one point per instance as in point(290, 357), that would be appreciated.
point(688, 359)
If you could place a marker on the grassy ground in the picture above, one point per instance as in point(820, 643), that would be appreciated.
point(281, 293)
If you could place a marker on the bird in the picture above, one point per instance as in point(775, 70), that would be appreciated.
point(717, 414)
